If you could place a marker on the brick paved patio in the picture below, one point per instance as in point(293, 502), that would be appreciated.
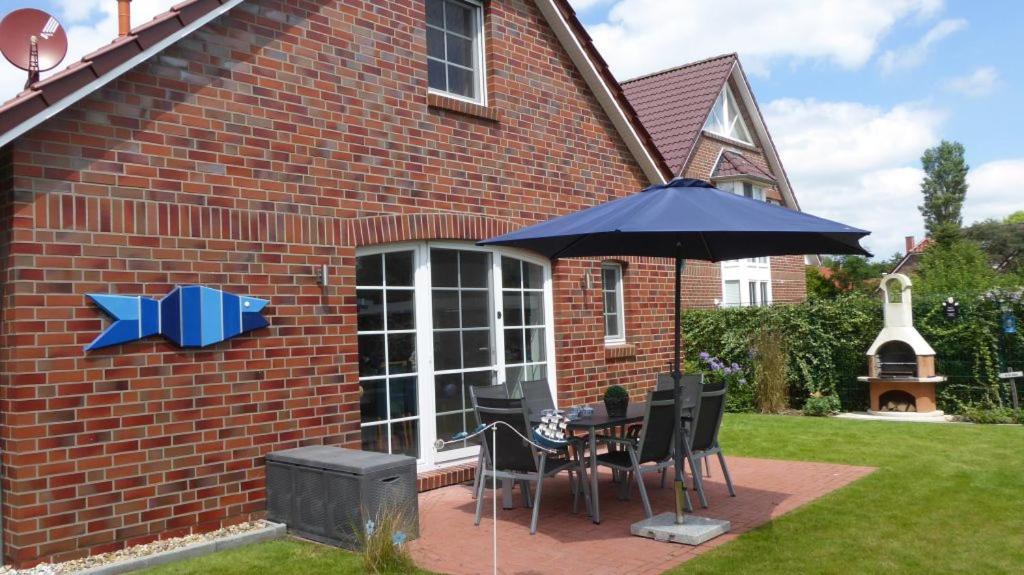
point(567, 543)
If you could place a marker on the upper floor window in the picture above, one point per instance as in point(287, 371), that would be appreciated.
point(726, 120)
point(614, 315)
point(746, 189)
point(455, 63)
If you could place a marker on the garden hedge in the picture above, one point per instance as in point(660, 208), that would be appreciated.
point(827, 340)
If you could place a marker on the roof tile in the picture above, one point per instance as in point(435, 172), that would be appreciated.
point(673, 104)
point(109, 57)
point(66, 82)
point(157, 29)
point(735, 164)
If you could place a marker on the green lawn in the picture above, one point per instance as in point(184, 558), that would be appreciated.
point(280, 557)
point(946, 498)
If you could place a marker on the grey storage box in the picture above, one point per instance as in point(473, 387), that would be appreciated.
point(328, 493)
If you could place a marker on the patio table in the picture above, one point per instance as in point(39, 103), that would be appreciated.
point(600, 420)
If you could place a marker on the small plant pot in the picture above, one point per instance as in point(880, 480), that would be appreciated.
point(616, 406)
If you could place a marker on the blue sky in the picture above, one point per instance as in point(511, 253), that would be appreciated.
point(852, 90)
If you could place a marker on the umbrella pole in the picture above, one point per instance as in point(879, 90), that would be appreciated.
point(680, 486)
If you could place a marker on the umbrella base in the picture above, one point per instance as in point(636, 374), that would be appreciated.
point(693, 531)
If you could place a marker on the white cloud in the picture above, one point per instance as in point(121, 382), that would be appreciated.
point(996, 190)
point(857, 164)
point(914, 55)
point(644, 35)
point(979, 83)
point(860, 165)
point(89, 24)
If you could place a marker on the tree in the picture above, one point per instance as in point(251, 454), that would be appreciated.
point(819, 286)
point(1016, 217)
point(847, 274)
point(1003, 242)
point(959, 267)
point(944, 188)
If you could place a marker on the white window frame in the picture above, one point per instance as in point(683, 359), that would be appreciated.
point(747, 271)
point(479, 56)
point(721, 129)
point(427, 409)
point(620, 299)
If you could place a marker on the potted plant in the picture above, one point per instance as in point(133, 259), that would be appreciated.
point(616, 400)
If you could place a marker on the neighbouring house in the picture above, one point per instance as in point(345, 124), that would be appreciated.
point(339, 160)
point(912, 257)
point(704, 120)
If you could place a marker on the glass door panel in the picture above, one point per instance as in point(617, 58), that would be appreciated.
point(386, 328)
point(463, 335)
point(525, 333)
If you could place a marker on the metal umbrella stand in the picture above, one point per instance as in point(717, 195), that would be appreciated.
point(684, 219)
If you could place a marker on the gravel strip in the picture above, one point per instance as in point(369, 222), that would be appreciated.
point(136, 551)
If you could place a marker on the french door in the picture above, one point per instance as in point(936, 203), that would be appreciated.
point(436, 319)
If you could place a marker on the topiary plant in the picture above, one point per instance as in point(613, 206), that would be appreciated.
point(616, 400)
point(616, 392)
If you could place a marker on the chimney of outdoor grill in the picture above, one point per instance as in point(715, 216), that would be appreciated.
point(910, 243)
point(124, 17)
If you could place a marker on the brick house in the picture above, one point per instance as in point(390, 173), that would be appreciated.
point(244, 145)
point(704, 120)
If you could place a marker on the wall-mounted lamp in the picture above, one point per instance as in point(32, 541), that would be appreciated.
point(321, 274)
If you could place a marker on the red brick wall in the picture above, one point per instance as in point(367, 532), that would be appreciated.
point(274, 140)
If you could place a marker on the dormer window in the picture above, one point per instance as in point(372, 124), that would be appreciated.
point(455, 62)
point(726, 120)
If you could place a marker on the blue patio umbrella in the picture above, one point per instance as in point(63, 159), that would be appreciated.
point(685, 219)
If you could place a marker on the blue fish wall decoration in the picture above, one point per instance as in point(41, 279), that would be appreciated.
point(190, 316)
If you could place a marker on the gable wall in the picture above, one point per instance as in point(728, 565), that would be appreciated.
point(703, 281)
point(273, 140)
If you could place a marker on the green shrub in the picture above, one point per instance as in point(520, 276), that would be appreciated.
point(616, 392)
point(981, 414)
point(819, 405)
point(768, 351)
point(740, 397)
point(382, 542)
point(827, 340)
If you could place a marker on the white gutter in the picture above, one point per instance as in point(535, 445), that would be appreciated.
point(114, 73)
point(594, 79)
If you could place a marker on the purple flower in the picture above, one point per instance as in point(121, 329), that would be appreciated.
point(735, 366)
point(727, 370)
point(704, 356)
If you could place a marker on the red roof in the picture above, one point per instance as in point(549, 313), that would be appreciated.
point(732, 163)
point(47, 92)
point(921, 246)
point(674, 104)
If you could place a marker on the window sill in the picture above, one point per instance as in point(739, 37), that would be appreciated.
point(730, 141)
point(467, 108)
point(619, 350)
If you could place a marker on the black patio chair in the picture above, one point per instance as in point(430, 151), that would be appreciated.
point(652, 446)
point(513, 458)
point(702, 439)
point(536, 393)
point(499, 391)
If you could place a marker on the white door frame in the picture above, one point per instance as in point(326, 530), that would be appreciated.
point(427, 412)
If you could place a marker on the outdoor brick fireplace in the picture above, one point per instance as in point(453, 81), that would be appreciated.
point(901, 364)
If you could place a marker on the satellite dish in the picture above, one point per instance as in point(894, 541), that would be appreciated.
point(33, 40)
